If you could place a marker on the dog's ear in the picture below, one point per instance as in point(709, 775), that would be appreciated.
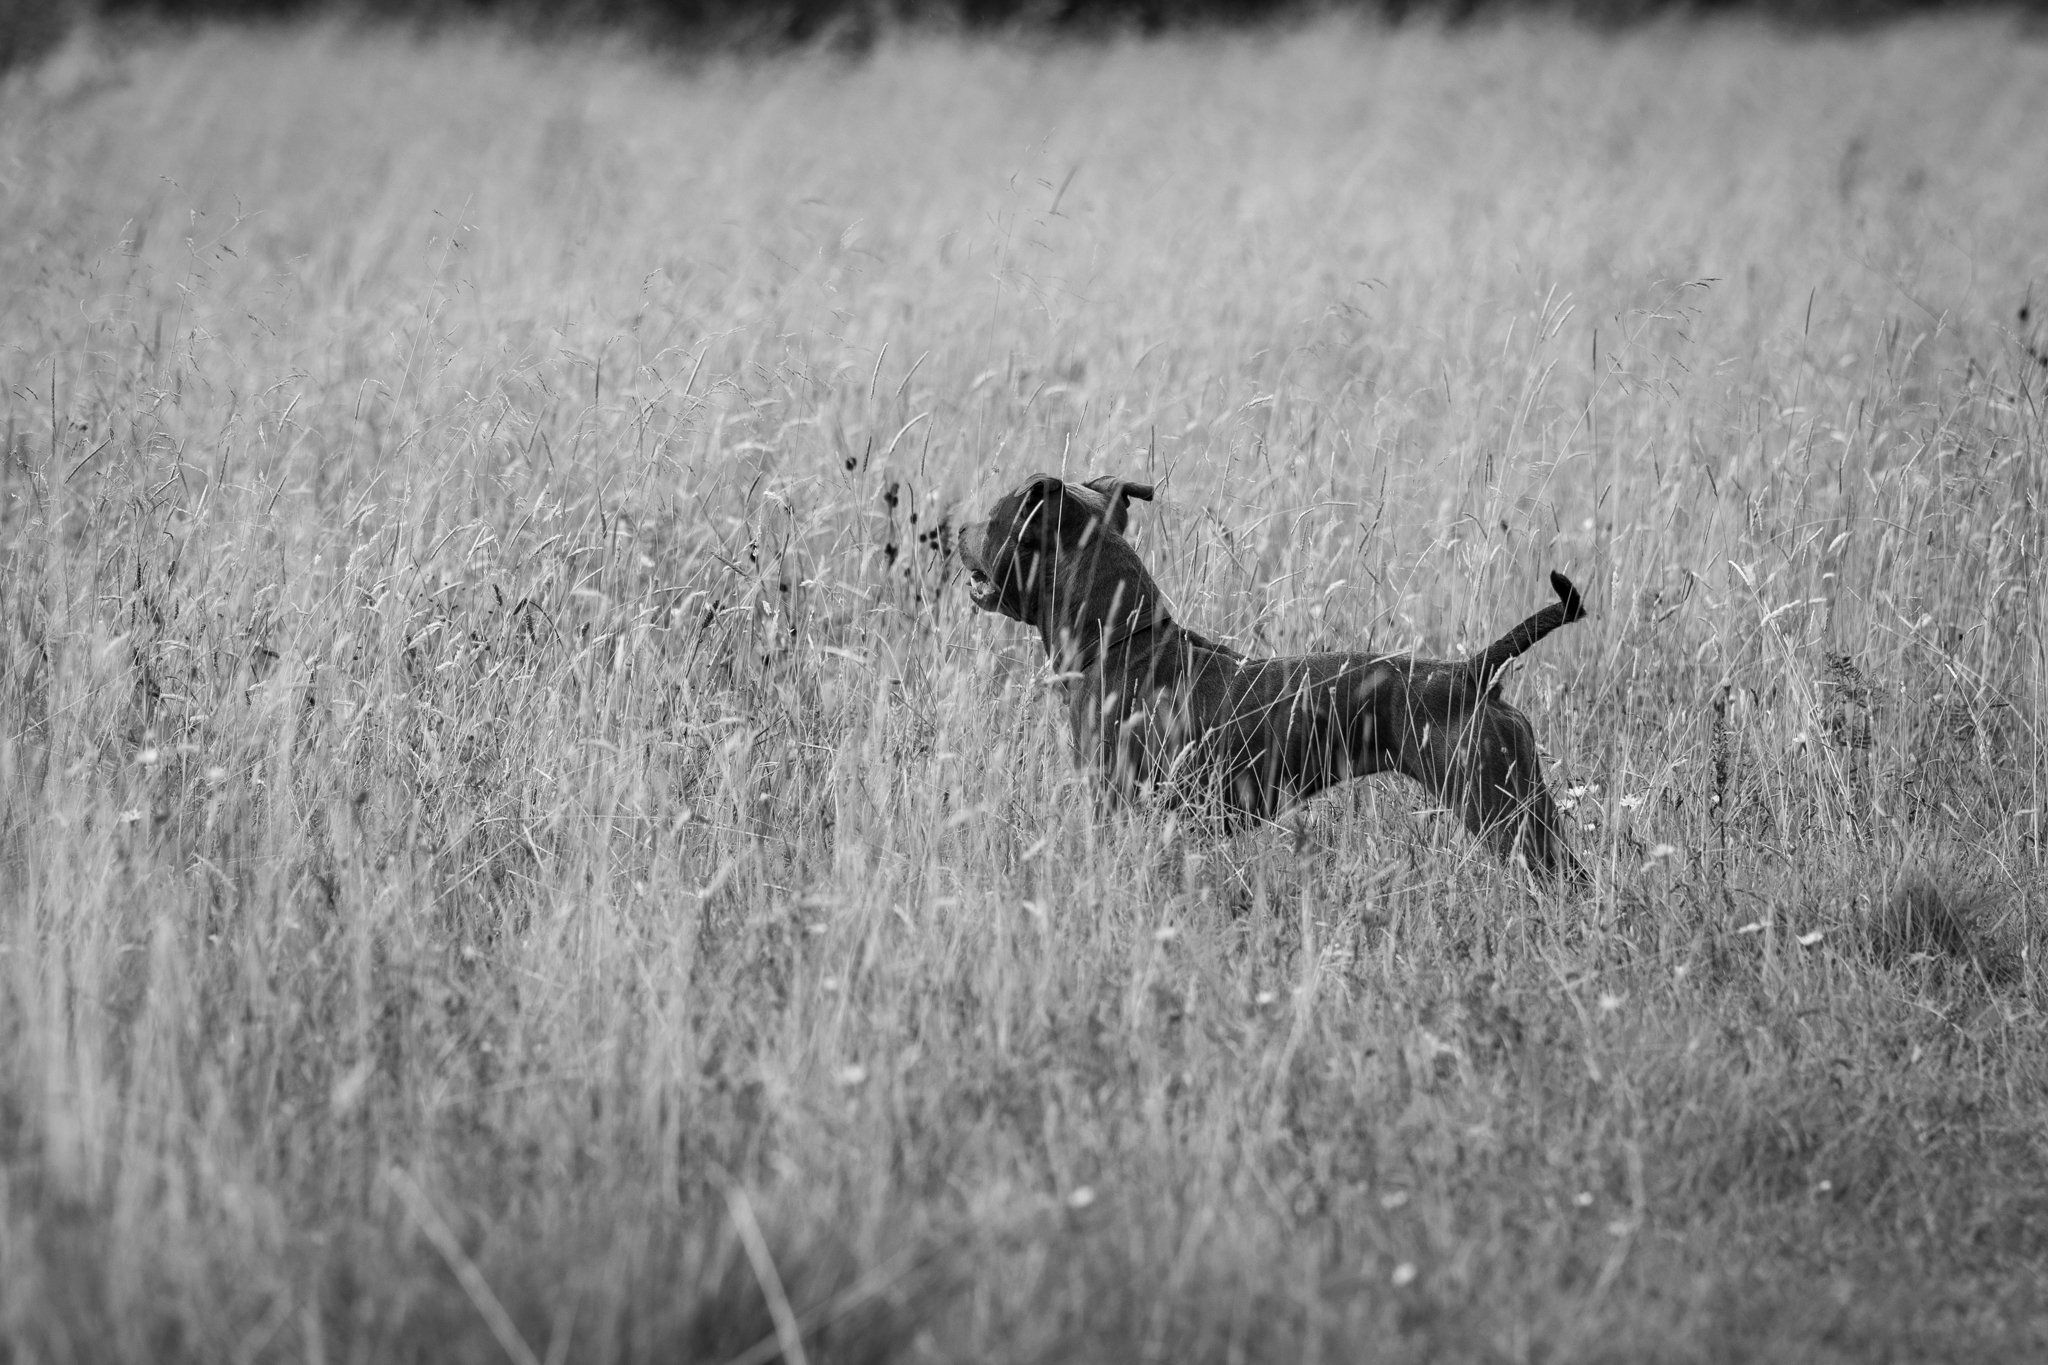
point(1116, 496)
point(1041, 487)
point(1032, 519)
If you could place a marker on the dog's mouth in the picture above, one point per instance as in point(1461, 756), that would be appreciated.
point(981, 590)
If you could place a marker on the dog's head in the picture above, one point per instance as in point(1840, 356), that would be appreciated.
point(1023, 557)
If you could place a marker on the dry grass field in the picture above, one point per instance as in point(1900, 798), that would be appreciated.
point(515, 846)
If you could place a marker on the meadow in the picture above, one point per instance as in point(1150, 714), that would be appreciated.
point(515, 845)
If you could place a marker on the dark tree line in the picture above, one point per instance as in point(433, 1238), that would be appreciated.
point(29, 27)
point(802, 21)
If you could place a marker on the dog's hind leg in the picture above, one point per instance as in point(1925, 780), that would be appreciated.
point(1498, 789)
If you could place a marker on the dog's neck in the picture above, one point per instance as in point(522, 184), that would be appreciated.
point(1102, 599)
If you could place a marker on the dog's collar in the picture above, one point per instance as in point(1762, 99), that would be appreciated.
point(1132, 632)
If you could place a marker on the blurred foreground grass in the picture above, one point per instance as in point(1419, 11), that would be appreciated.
point(513, 842)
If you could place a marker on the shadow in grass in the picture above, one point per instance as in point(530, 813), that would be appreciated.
point(1924, 922)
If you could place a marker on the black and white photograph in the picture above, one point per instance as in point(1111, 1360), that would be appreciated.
point(1023, 682)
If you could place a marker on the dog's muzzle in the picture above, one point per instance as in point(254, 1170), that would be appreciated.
point(981, 589)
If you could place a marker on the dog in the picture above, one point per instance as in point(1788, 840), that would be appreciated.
point(1165, 711)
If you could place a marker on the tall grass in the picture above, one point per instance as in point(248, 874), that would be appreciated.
point(513, 842)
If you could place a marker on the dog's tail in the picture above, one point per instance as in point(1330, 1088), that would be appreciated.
point(1488, 663)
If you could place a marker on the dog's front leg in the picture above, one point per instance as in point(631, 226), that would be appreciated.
point(1113, 734)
